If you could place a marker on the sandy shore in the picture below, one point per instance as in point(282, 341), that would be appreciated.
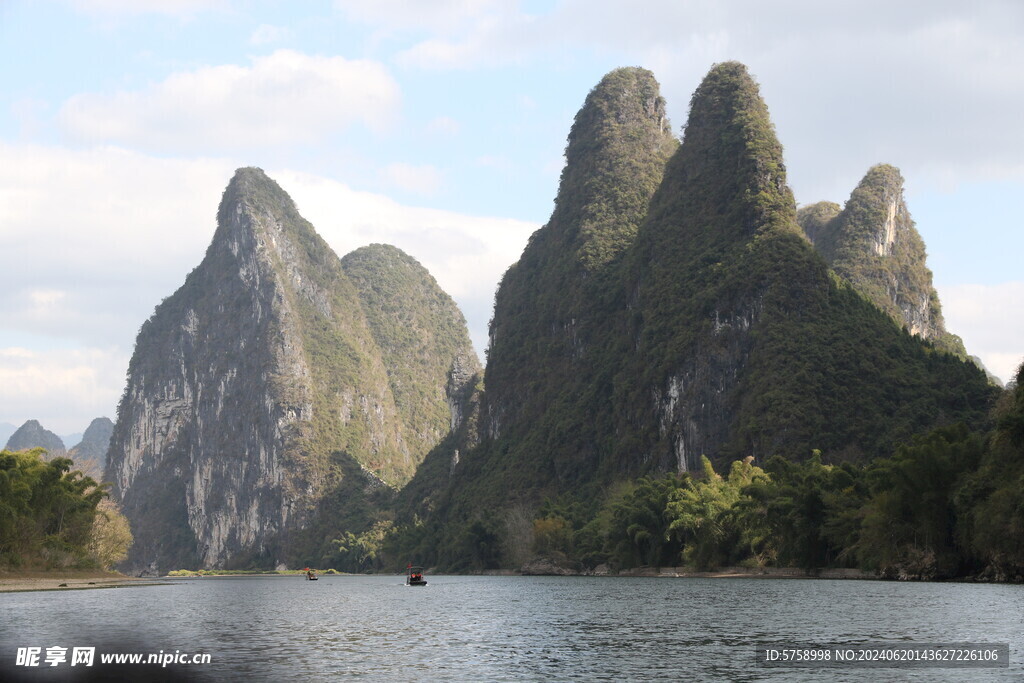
point(70, 580)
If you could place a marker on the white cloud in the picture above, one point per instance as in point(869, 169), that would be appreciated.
point(167, 7)
point(266, 34)
point(63, 389)
point(440, 16)
point(444, 125)
point(988, 319)
point(935, 89)
point(422, 180)
point(95, 239)
point(281, 99)
point(461, 34)
point(499, 37)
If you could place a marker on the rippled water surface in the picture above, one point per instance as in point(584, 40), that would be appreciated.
point(508, 628)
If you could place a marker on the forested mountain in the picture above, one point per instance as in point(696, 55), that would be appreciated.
point(872, 243)
point(273, 400)
point(700, 323)
point(551, 316)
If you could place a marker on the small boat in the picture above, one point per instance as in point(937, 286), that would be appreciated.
point(311, 575)
point(414, 577)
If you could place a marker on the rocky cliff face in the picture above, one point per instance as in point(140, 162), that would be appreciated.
point(873, 244)
point(257, 392)
point(34, 435)
point(91, 451)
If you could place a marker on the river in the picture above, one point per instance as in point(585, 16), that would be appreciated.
point(509, 628)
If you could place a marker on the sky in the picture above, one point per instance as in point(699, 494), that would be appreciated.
point(439, 126)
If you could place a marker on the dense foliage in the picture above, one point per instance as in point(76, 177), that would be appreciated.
point(49, 517)
point(421, 334)
point(946, 504)
point(551, 314)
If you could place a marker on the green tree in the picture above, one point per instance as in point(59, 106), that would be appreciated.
point(363, 552)
point(991, 501)
point(478, 546)
point(46, 510)
point(910, 518)
point(809, 510)
point(706, 517)
point(638, 533)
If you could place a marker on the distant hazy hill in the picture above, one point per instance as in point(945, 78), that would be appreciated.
point(34, 435)
point(92, 449)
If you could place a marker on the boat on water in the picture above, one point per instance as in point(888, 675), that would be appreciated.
point(311, 574)
point(414, 576)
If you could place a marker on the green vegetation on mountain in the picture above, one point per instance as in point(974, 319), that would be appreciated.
point(716, 333)
point(422, 335)
point(676, 374)
point(815, 219)
point(48, 515)
point(548, 311)
point(946, 504)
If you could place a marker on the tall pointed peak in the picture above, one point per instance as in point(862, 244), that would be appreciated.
point(623, 97)
point(256, 213)
point(873, 244)
point(727, 182)
point(874, 223)
point(615, 157)
point(875, 218)
point(253, 188)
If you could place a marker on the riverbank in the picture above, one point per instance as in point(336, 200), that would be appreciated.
point(11, 582)
point(747, 573)
point(544, 567)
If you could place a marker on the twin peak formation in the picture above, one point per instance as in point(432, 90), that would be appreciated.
point(675, 305)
